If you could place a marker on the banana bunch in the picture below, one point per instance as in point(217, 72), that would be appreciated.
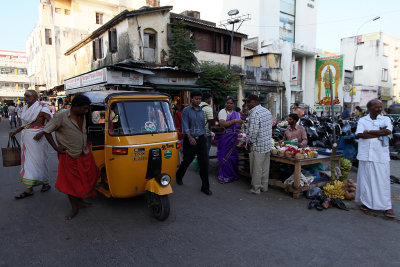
point(345, 167)
point(334, 189)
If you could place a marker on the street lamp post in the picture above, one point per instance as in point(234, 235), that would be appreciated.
point(233, 20)
point(354, 62)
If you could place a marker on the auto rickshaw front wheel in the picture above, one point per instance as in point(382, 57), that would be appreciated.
point(159, 205)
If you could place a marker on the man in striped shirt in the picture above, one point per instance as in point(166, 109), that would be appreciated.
point(258, 136)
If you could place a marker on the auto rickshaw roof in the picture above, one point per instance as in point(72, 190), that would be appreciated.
point(100, 98)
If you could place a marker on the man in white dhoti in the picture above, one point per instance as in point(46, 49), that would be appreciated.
point(34, 154)
point(373, 178)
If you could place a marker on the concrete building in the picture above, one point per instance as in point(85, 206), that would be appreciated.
point(13, 76)
point(61, 24)
point(131, 52)
point(284, 27)
point(376, 67)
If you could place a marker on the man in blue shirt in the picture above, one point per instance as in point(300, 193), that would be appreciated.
point(345, 113)
point(194, 142)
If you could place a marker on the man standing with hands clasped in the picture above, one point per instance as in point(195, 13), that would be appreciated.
point(373, 177)
point(258, 138)
point(194, 142)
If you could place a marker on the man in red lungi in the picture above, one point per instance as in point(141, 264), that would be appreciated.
point(77, 171)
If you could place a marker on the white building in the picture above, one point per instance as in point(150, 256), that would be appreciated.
point(285, 27)
point(13, 76)
point(61, 24)
point(376, 67)
point(288, 28)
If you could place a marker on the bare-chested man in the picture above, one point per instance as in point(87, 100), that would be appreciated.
point(34, 169)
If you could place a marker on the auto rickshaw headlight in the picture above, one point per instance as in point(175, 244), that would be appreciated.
point(164, 179)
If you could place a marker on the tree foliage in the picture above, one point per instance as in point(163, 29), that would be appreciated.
point(222, 82)
point(182, 48)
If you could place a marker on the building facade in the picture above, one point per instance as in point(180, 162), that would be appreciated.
point(287, 28)
point(373, 60)
point(61, 24)
point(133, 46)
point(13, 76)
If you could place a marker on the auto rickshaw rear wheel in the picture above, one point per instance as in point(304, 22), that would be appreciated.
point(160, 206)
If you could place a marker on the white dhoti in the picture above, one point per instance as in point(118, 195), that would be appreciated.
point(34, 158)
point(373, 185)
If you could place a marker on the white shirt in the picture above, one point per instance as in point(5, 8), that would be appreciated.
point(372, 149)
point(223, 114)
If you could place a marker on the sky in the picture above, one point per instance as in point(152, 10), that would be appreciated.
point(336, 19)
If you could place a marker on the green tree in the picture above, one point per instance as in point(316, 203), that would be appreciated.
point(220, 80)
point(182, 48)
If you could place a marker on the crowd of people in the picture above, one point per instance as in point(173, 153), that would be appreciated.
point(77, 171)
point(373, 190)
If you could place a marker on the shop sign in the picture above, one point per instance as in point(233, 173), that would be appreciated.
point(120, 77)
point(294, 73)
point(12, 92)
point(368, 37)
point(319, 108)
point(94, 77)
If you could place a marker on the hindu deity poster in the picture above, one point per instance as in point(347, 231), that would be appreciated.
point(323, 65)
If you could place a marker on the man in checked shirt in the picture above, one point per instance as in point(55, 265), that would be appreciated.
point(258, 136)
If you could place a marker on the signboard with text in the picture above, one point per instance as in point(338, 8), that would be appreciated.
point(94, 77)
point(104, 76)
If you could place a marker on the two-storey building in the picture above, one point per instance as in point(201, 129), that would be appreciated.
point(130, 52)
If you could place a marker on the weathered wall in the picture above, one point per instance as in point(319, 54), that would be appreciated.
point(47, 63)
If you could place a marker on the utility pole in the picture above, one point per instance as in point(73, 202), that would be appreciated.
point(234, 19)
point(353, 91)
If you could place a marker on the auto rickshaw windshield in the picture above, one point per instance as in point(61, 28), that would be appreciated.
point(140, 117)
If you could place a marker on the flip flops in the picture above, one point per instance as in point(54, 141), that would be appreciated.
point(389, 214)
point(23, 195)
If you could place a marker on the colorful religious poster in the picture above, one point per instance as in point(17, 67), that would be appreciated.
point(323, 66)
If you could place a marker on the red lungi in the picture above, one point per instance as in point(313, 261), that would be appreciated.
point(77, 177)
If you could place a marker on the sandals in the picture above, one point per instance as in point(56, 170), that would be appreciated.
point(364, 208)
point(23, 195)
point(45, 187)
point(389, 214)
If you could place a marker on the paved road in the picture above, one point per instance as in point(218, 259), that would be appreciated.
point(230, 228)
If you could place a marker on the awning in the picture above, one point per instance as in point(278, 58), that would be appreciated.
point(143, 71)
point(181, 88)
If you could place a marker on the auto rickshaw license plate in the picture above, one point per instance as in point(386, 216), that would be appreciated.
point(139, 156)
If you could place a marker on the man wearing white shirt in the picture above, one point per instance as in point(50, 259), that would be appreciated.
point(373, 178)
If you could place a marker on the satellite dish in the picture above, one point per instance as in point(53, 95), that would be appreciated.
point(233, 12)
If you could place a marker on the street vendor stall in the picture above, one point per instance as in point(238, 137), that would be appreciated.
point(287, 153)
point(295, 188)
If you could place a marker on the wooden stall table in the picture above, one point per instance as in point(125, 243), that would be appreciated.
point(296, 189)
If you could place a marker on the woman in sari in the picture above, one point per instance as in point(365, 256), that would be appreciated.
point(226, 142)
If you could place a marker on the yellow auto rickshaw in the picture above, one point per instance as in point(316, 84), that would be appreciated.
point(134, 143)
